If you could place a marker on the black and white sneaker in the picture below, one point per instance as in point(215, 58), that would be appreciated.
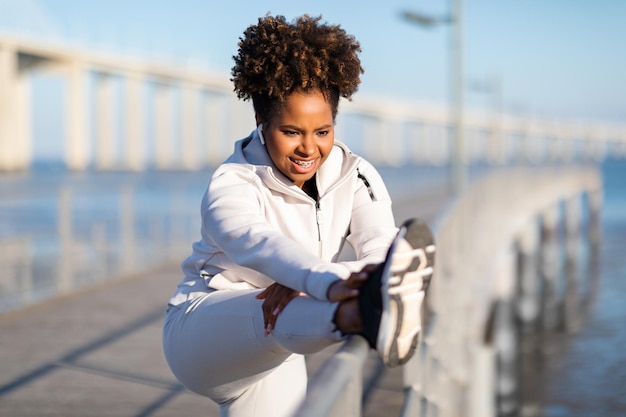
point(390, 301)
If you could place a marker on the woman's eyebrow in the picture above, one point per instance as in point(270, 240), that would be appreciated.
point(299, 129)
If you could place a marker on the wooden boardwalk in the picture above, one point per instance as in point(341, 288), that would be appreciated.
point(98, 352)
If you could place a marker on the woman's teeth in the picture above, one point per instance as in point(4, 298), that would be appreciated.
point(304, 164)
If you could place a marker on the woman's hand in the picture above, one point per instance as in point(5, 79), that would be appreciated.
point(276, 297)
point(341, 290)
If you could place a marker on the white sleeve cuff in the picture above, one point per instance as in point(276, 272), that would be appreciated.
point(322, 276)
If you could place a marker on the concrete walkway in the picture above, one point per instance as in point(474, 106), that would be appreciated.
point(98, 352)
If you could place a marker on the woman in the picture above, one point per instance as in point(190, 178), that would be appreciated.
point(262, 287)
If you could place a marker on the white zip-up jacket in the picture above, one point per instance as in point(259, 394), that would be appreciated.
point(259, 228)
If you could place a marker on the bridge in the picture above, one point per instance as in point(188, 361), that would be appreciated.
point(165, 117)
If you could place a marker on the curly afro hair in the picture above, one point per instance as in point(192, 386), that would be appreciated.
point(277, 58)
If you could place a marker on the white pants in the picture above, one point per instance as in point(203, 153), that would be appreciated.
point(216, 346)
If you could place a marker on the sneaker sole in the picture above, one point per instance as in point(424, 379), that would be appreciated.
point(406, 275)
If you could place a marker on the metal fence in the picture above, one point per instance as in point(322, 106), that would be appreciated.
point(504, 247)
point(65, 236)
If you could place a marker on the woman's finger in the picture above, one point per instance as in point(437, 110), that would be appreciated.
point(271, 322)
point(370, 268)
point(263, 294)
point(341, 290)
point(356, 280)
point(277, 297)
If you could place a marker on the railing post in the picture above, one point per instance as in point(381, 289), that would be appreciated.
point(528, 303)
point(594, 234)
point(571, 302)
point(549, 267)
point(17, 272)
point(335, 390)
point(127, 230)
point(99, 244)
point(66, 245)
point(506, 336)
point(595, 200)
point(483, 381)
point(528, 314)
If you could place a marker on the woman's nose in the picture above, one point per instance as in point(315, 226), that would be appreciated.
point(307, 145)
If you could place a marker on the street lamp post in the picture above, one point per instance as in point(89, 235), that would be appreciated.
point(495, 152)
point(458, 164)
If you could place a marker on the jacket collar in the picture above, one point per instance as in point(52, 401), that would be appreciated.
point(333, 171)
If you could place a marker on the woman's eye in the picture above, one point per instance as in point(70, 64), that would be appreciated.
point(323, 133)
point(289, 133)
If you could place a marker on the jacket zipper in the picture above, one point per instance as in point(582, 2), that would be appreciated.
point(319, 230)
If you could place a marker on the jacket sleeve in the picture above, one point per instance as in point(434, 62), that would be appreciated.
point(233, 218)
point(372, 227)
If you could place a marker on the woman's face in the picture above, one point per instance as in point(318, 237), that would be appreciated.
point(300, 137)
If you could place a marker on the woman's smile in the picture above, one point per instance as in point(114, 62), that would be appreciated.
point(304, 166)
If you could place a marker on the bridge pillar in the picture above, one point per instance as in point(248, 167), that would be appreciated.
point(241, 124)
point(417, 146)
point(134, 142)
point(105, 123)
point(15, 136)
point(163, 127)
point(534, 145)
point(431, 140)
point(568, 137)
point(23, 107)
point(525, 142)
point(597, 147)
point(495, 145)
point(620, 152)
point(370, 139)
point(553, 146)
point(76, 143)
point(438, 144)
point(214, 129)
point(384, 140)
point(396, 134)
point(189, 126)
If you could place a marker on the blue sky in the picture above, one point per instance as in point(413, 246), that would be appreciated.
point(558, 59)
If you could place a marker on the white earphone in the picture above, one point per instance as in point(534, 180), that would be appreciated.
point(260, 130)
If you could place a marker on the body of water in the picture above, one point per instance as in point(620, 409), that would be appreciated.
point(585, 371)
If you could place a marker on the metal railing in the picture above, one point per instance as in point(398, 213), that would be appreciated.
point(512, 233)
point(70, 236)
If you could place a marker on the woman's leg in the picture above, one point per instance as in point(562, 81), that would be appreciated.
point(215, 345)
point(278, 394)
